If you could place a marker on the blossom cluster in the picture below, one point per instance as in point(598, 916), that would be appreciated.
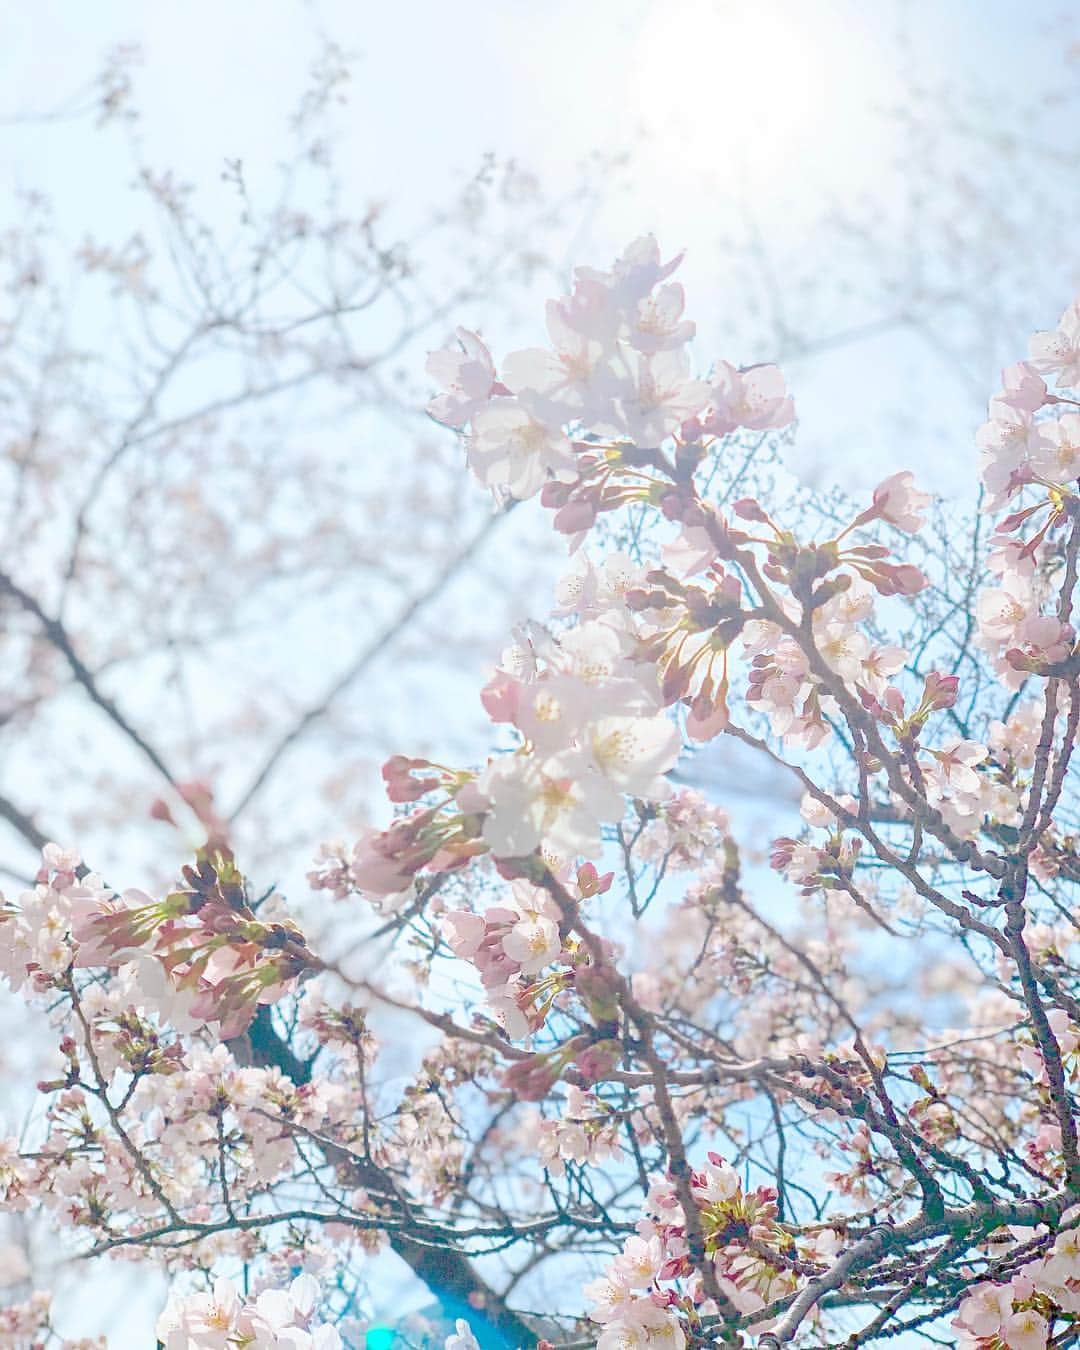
point(617, 374)
point(651, 1294)
point(586, 1132)
point(942, 818)
point(282, 1318)
point(591, 731)
point(1030, 448)
point(199, 955)
point(1040, 1300)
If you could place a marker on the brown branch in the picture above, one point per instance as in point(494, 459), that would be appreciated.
point(58, 635)
point(448, 1273)
point(23, 823)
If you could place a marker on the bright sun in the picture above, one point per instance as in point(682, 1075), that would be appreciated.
point(742, 86)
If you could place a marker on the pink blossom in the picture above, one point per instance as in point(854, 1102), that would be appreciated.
point(602, 301)
point(706, 720)
point(657, 324)
point(1023, 388)
point(955, 761)
point(610, 1298)
point(572, 379)
point(899, 502)
point(630, 754)
point(513, 449)
point(1002, 609)
point(1057, 352)
point(467, 373)
point(1025, 1330)
point(1008, 442)
point(662, 394)
point(533, 942)
point(639, 1262)
point(531, 805)
point(1058, 457)
point(755, 397)
point(691, 552)
point(464, 932)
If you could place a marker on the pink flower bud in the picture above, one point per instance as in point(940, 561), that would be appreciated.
point(746, 508)
point(159, 810)
point(575, 516)
point(590, 883)
point(596, 1062)
point(530, 1080)
point(939, 691)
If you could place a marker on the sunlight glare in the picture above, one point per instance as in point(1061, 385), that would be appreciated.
point(742, 87)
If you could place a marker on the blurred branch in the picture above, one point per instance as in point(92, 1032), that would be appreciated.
point(58, 635)
point(374, 649)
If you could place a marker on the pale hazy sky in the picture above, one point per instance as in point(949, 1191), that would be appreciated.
point(742, 118)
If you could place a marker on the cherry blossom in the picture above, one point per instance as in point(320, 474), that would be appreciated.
point(755, 397)
point(223, 1318)
point(468, 374)
point(897, 501)
point(511, 447)
point(1057, 459)
point(731, 1113)
point(1057, 352)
